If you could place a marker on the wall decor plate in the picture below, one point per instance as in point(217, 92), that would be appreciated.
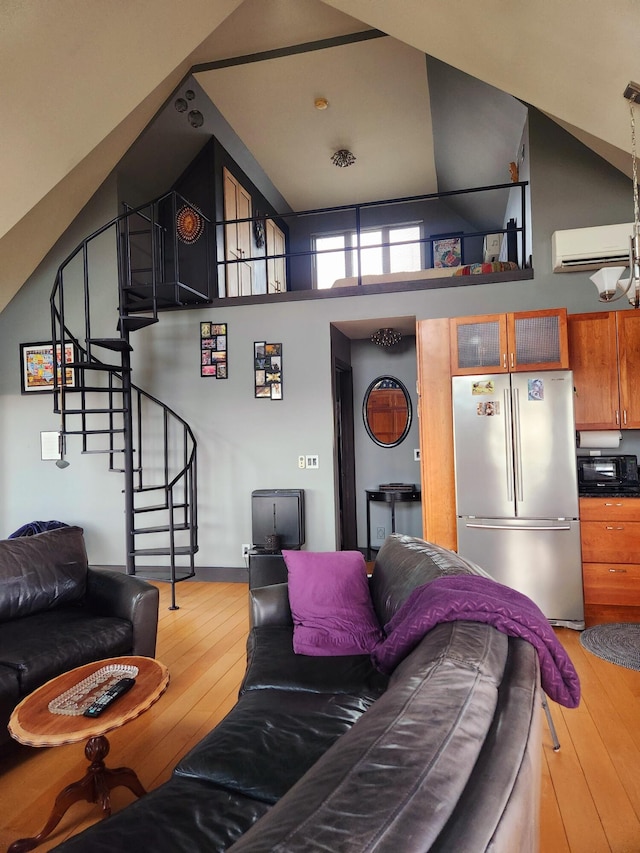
point(189, 224)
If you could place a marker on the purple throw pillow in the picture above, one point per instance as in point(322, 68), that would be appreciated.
point(331, 604)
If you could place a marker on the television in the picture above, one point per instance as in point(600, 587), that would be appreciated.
point(277, 513)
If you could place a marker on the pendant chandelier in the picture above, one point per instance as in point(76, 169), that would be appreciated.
point(611, 286)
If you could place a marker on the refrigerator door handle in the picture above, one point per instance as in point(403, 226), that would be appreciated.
point(511, 527)
point(517, 450)
point(508, 438)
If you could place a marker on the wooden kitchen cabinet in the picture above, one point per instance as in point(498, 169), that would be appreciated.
point(610, 533)
point(604, 354)
point(508, 343)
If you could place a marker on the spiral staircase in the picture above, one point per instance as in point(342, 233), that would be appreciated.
point(141, 437)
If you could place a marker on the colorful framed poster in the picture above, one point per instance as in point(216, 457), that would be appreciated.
point(267, 366)
point(213, 350)
point(446, 250)
point(36, 367)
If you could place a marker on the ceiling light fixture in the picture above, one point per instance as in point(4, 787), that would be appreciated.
point(386, 337)
point(608, 280)
point(321, 103)
point(343, 158)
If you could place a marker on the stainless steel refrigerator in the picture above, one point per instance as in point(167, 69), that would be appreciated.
point(516, 485)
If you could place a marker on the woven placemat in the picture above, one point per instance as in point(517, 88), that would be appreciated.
point(618, 642)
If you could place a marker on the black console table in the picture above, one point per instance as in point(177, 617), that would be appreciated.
point(390, 496)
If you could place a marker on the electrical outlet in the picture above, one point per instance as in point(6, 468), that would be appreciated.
point(416, 454)
point(380, 533)
point(245, 551)
point(302, 462)
point(313, 461)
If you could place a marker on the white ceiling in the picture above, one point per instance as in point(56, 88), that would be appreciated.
point(378, 109)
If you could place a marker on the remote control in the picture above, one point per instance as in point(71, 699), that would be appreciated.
point(109, 696)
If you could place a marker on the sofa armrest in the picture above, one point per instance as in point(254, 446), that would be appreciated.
point(269, 605)
point(112, 593)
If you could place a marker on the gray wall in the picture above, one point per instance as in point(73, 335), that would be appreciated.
point(246, 443)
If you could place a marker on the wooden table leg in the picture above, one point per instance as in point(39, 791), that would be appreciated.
point(95, 787)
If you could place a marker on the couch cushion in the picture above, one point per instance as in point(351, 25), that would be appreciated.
point(181, 816)
point(331, 603)
point(418, 743)
point(42, 571)
point(42, 646)
point(270, 739)
point(405, 562)
point(273, 663)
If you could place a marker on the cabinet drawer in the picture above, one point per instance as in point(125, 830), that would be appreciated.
point(618, 541)
point(604, 509)
point(611, 583)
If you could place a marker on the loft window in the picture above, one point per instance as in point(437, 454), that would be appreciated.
point(382, 250)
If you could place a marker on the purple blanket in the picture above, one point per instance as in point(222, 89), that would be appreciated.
point(480, 599)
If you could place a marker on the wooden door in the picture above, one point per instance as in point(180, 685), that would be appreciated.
point(237, 205)
point(629, 365)
point(479, 344)
point(537, 340)
point(276, 268)
point(593, 357)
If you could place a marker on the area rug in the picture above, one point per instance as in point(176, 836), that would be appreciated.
point(617, 642)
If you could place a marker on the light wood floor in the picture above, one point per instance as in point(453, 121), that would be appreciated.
point(590, 789)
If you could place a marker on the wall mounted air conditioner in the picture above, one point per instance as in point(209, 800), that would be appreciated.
point(581, 249)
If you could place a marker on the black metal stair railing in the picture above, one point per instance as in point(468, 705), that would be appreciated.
point(144, 439)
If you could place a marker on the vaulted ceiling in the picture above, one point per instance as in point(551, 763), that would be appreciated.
point(80, 81)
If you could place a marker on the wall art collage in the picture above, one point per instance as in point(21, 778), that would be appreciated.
point(213, 350)
point(268, 370)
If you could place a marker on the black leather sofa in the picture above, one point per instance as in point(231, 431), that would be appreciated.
point(56, 613)
point(325, 753)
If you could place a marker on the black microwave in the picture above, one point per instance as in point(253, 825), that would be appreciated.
point(608, 474)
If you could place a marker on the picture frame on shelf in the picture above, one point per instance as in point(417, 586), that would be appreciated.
point(36, 367)
point(447, 250)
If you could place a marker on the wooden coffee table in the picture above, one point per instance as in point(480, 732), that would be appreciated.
point(34, 725)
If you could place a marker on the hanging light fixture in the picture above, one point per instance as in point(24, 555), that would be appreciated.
point(343, 158)
point(386, 337)
point(611, 286)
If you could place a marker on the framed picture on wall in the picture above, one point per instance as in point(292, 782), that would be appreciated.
point(446, 250)
point(36, 367)
point(213, 350)
point(267, 366)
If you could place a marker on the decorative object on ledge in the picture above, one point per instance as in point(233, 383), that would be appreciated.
point(258, 230)
point(609, 279)
point(189, 224)
point(196, 119)
point(213, 350)
point(343, 158)
point(36, 367)
point(386, 337)
point(446, 250)
point(267, 359)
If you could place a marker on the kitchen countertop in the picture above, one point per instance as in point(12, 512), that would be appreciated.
point(601, 494)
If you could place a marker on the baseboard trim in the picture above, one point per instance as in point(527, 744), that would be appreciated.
point(211, 574)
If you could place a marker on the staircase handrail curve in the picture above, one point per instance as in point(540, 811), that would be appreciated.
point(110, 224)
point(68, 335)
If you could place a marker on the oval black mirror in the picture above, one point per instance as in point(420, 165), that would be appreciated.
point(386, 411)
